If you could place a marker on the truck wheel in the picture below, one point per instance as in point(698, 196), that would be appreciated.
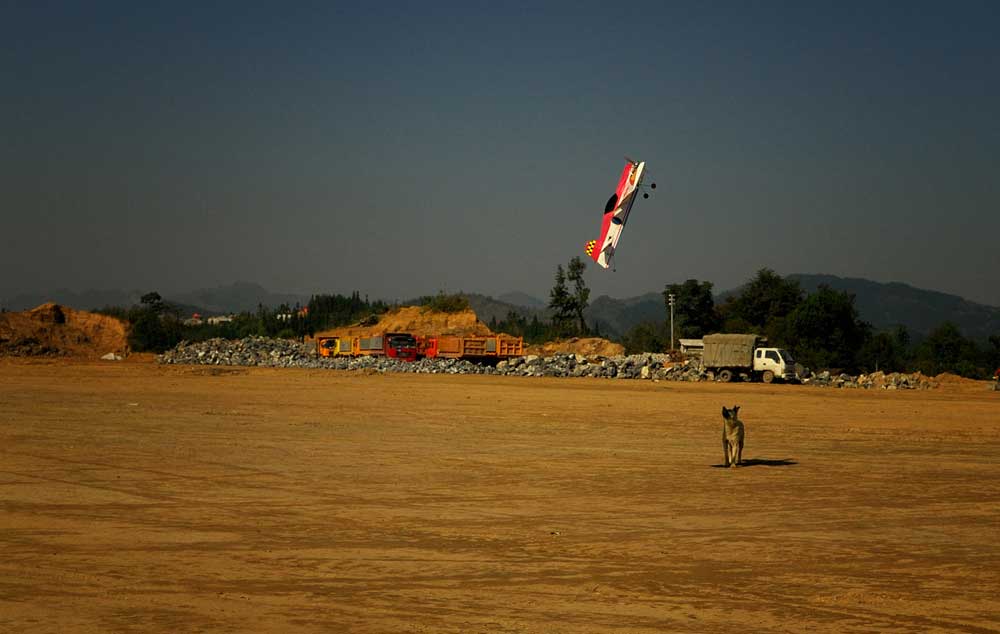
point(726, 376)
point(768, 376)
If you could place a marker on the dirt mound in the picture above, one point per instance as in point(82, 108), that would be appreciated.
point(586, 346)
point(55, 330)
point(417, 320)
point(947, 379)
point(420, 320)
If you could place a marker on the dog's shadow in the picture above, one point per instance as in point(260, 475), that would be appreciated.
point(761, 462)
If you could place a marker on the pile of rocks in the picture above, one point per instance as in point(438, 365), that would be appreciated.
point(282, 353)
point(876, 380)
point(636, 366)
point(27, 347)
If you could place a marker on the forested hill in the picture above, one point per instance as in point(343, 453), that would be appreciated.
point(488, 308)
point(615, 317)
point(611, 317)
point(885, 305)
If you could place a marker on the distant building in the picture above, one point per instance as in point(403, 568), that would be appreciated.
point(221, 319)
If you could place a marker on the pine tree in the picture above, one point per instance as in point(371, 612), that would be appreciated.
point(561, 303)
point(581, 294)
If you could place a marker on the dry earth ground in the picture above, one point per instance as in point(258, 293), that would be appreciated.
point(140, 498)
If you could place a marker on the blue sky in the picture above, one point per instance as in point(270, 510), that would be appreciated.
point(404, 148)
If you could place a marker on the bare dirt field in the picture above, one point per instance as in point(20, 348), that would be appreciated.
point(141, 498)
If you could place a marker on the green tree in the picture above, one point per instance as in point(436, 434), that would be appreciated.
point(581, 294)
point(825, 331)
point(154, 325)
point(886, 351)
point(153, 301)
point(946, 350)
point(993, 354)
point(516, 324)
point(330, 311)
point(562, 305)
point(762, 305)
point(647, 336)
point(694, 309)
point(445, 303)
point(537, 331)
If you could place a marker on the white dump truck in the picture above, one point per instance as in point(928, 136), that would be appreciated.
point(743, 356)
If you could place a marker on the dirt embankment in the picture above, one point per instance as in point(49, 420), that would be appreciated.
point(946, 379)
point(418, 321)
point(55, 330)
point(586, 346)
point(422, 321)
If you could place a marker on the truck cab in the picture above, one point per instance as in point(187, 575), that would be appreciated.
point(327, 346)
point(771, 363)
point(400, 345)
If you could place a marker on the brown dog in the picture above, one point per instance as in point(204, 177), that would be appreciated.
point(732, 436)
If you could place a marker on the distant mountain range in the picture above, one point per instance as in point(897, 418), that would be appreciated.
point(239, 297)
point(234, 298)
point(920, 311)
point(518, 298)
point(613, 317)
point(884, 305)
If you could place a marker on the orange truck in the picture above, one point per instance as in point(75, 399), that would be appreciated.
point(397, 345)
point(492, 347)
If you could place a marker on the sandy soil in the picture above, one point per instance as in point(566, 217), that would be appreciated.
point(140, 498)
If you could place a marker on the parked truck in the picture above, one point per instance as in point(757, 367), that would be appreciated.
point(475, 348)
point(327, 346)
point(733, 356)
point(398, 345)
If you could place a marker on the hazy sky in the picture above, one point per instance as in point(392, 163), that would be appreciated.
point(405, 148)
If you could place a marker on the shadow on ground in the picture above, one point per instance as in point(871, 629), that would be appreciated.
point(762, 462)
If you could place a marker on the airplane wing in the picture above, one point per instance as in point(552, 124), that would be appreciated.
point(616, 213)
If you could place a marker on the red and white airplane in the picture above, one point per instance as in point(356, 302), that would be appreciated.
point(616, 213)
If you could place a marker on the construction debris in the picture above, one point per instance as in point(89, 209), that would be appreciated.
point(282, 353)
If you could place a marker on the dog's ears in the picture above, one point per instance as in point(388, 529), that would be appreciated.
point(736, 410)
point(725, 412)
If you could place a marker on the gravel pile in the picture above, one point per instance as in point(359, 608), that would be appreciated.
point(282, 353)
point(876, 380)
point(272, 353)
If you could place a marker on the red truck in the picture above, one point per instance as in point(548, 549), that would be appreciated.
point(400, 345)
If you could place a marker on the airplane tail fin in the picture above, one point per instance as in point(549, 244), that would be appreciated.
point(601, 257)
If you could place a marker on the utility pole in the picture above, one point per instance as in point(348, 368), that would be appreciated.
point(670, 300)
